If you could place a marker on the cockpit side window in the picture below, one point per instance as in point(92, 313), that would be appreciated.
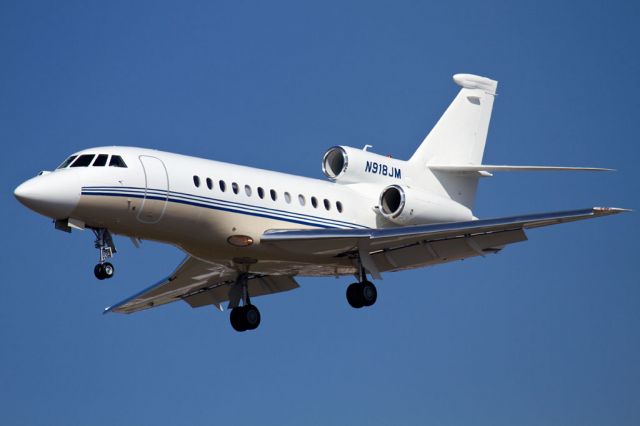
point(101, 160)
point(117, 161)
point(83, 160)
point(66, 162)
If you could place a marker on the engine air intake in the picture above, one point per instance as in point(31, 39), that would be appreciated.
point(392, 201)
point(334, 162)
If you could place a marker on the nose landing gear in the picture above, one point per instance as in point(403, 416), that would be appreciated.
point(104, 243)
point(104, 271)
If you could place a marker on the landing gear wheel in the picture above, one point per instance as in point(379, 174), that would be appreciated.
point(104, 271)
point(369, 293)
point(354, 295)
point(251, 317)
point(98, 271)
point(236, 319)
point(108, 270)
point(245, 318)
point(362, 294)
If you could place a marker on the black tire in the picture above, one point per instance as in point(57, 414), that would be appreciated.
point(369, 293)
point(251, 317)
point(108, 270)
point(354, 295)
point(98, 271)
point(236, 319)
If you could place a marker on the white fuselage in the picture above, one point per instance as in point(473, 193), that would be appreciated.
point(198, 204)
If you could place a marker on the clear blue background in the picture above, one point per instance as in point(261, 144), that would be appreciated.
point(547, 332)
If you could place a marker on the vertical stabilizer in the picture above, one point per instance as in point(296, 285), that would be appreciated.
point(460, 134)
point(459, 137)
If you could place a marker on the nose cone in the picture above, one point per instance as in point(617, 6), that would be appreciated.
point(52, 195)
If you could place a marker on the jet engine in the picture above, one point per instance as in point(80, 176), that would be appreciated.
point(406, 206)
point(344, 164)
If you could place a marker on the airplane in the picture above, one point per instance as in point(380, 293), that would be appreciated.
point(249, 232)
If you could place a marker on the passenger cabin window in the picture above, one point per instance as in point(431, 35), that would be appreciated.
point(83, 160)
point(117, 161)
point(66, 162)
point(196, 181)
point(274, 194)
point(209, 183)
point(223, 186)
point(314, 202)
point(260, 192)
point(287, 197)
point(101, 160)
point(247, 190)
point(339, 206)
point(235, 187)
point(327, 204)
point(301, 200)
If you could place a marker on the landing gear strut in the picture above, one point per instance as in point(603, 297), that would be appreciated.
point(104, 244)
point(363, 293)
point(247, 316)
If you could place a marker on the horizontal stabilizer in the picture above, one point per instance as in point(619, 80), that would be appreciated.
point(494, 168)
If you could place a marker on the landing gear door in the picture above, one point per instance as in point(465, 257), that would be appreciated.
point(156, 190)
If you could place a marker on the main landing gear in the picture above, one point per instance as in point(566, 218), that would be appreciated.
point(247, 316)
point(104, 243)
point(363, 293)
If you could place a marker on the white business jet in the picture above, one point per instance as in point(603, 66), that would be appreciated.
point(249, 232)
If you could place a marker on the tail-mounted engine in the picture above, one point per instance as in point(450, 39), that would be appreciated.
point(405, 206)
point(344, 164)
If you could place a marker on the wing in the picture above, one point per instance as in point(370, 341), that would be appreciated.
point(199, 284)
point(406, 247)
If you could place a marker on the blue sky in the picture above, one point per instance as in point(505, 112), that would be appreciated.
point(546, 332)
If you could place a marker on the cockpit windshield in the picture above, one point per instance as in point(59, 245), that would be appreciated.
point(85, 160)
point(117, 161)
point(66, 162)
point(100, 161)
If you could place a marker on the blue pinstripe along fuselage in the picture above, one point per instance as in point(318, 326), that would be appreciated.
point(218, 204)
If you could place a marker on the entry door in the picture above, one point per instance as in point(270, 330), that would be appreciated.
point(157, 190)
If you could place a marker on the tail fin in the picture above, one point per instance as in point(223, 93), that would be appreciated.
point(460, 134)
point(459, 137)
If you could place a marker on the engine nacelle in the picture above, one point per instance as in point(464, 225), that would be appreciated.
point(406, 206)
point(344, 164)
